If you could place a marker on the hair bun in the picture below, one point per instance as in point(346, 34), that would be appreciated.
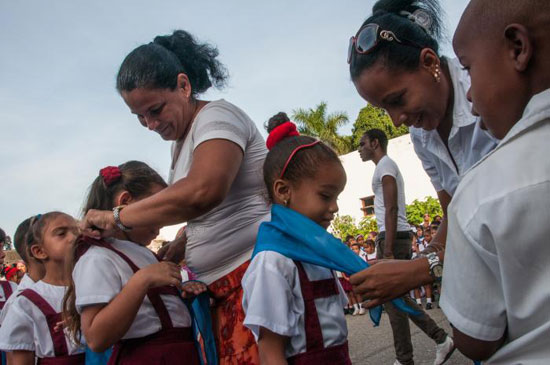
point(287, 129)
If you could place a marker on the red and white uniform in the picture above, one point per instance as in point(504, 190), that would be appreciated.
point(161, 331)
point(30, 326)
point(301, 301)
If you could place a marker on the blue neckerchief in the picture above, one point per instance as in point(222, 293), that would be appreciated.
point(299, 238)
point(199, 308)
point(98, 358)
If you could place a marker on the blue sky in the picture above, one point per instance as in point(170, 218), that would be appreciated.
point(62, 120)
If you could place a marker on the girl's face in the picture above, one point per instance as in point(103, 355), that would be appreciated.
point(316, 197)
point(412, 98)
point(22, 267)
point(145, 235)
point(58, 237)
point(167, 112)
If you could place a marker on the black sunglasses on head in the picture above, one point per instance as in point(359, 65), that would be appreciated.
point(368, 37)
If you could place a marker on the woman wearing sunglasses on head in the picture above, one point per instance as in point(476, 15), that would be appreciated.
point(395, 64)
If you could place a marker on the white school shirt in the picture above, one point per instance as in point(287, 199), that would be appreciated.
point(272, 299)
point(221, 240)
point(100, 274)
point(387, 167)
point(25, 283)
point(497, 270)
point(26, 329)
point(468, 142)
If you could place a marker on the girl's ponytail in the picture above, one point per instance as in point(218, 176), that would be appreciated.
point(135, 177)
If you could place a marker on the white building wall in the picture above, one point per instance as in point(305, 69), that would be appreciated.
point(359, 174)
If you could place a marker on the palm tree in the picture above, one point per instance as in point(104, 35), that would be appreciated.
point(316, 123)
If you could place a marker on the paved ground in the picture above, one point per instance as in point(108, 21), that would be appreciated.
point(369, 345)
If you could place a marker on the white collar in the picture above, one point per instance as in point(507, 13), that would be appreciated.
point(537, 110)
point(25, 282)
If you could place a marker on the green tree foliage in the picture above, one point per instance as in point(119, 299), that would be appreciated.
point(416, 210)
point(371, 117)
point(316, 123)
point(345, 225)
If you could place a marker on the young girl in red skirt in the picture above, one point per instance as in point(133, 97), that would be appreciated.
point(294, 308)
point(121, 294)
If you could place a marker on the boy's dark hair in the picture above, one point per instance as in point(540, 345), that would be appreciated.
point(390, 15)
point(305, 162)
point(2, 236)
point(137, 178)
point(380, 136)
point(349, 237)
point(20, 243)
point(156, 65)
point(356, 245)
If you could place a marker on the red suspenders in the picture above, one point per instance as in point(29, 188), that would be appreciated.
point(52, 318)
point(7, 292)
point(152, 294)
point(316, 353)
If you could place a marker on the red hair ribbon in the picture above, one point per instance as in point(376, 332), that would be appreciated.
point(287, 129)
point(110, 174)
point(10, 272)
point(293, 153)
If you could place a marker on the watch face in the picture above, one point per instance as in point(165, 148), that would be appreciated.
point(438, 271)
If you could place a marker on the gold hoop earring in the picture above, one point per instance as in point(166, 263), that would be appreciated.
point(437, 74)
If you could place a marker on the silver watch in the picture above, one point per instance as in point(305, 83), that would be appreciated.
point(436, 267)
point(116, 215)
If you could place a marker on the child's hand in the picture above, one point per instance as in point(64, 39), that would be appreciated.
point(59, 326)
point(192, 288)
point(161, 274)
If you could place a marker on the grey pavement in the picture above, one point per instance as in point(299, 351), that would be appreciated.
point(374, 346)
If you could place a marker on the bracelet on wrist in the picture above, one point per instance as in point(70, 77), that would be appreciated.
point(118, 223)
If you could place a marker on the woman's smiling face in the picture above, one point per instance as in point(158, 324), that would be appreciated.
point(412, 98)
point(164, 111)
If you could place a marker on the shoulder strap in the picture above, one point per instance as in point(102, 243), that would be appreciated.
point(152, 294)
point(8, 291)
point(312, 290)
point(52, 318)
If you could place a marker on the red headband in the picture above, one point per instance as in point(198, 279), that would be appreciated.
point(110, 174)
point(293, 153)
point(287, 129)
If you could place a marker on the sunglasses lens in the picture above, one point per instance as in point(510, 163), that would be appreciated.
point(366, 39)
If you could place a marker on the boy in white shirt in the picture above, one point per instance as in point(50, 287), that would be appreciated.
point(495, 280)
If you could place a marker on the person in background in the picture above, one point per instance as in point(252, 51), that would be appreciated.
point(394, 242)
point(427, 221)
point(370, 249)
